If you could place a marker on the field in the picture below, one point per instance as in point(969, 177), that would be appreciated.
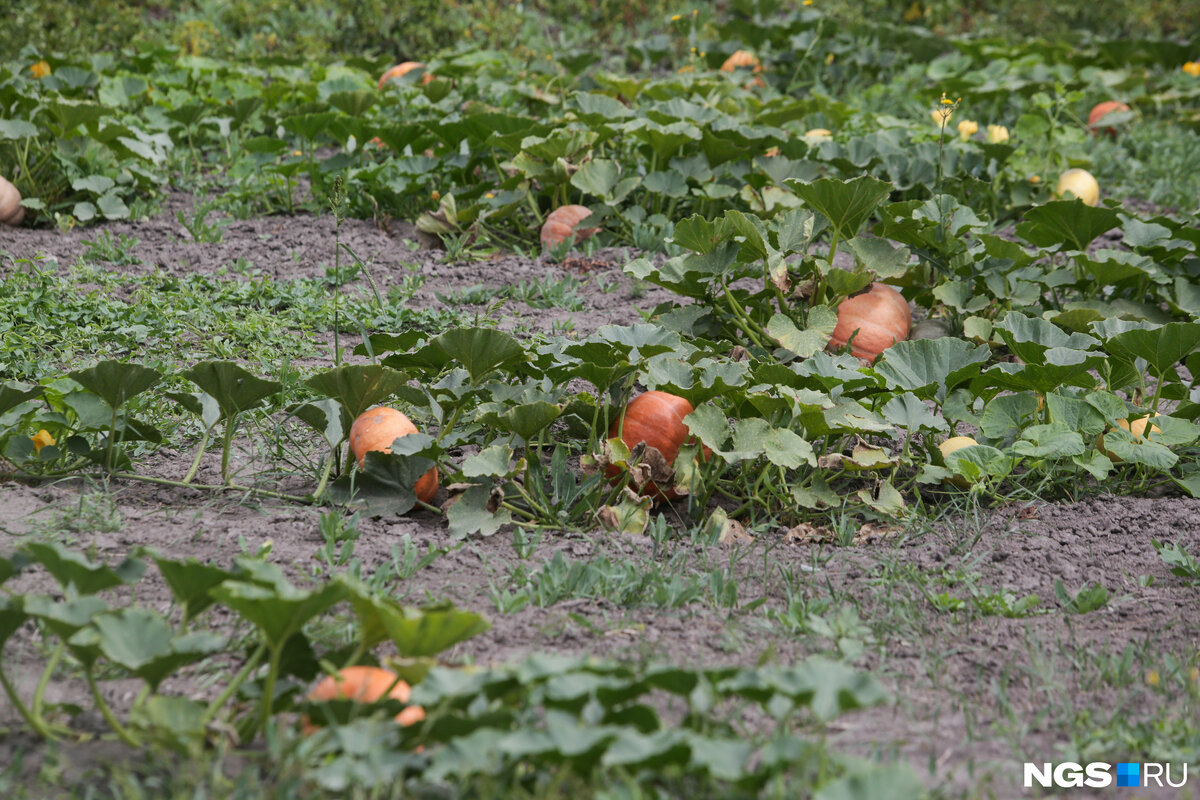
point(841, 448)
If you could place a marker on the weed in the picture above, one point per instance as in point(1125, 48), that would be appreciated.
point(118, 251)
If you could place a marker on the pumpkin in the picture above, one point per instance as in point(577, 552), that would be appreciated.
point(11, 211)
point(744, 59)
point(871, 322)
point(402, 69)
point(376, 429)
point(956, 443)
point(365, 685)
point(1137, 427)
point(561, 225)
point(655, 418)
point(1100, 110)
point(1081, 184)
point(952, 445)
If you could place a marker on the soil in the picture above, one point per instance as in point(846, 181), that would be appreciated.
point(974, 695)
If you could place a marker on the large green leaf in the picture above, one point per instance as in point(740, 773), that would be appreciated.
point(67, 618)
point(386, 483)
point(358, 387)
point(1030, 337)
point(115, 382)
point(140, 641)
point(71, 568)
point(480, 350)
point(925, 366)
point(808, 342)
point(846, 204)
point(191, 582)
point(415, 632)
point(1062, 367)
point(1162, 348)
point(526, 420)
point(478, 511)
point(278, 611)
point(1072, 223)
point(13, 393)
point(327, 417)
point(234, 389)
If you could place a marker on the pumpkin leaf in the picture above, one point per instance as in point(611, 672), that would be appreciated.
point(358, 387)
point(115, 382)
point(478, 510)
point(75, 570)
point(846, 204)
point(234, 389)
point(1070, 223)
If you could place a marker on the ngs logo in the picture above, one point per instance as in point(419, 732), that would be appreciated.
point(1097, 775)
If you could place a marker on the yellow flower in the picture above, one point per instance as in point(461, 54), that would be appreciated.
point(1035, 179)
point(436, 194)
point(297, 153)
point(41, 69)
point(1191, 68)
point(41, 439)
point(1152, 678)
point(676, 17)
point(829, 59)
point(997, 134)
point(695, 11)
point(490, 195)
point(807, 2)
point(967, 128)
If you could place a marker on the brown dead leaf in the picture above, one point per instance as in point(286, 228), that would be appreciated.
point(807, 533)
point(735, 532)
point(649, 466)
point(804, 289)
point(869, 533)
point(1028, 512)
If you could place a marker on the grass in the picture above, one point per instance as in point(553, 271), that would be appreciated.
point(88, 312)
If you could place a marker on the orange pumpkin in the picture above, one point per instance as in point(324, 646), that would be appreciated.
point(1100, 110)
point(402, 69)
point(11, 211)
point(376, 429)
point(871, 322)
point(655, 418)
point(561, 225)
point(365, 685)
point(744, 59)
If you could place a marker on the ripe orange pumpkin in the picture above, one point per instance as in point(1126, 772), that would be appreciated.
point(402, 69)
point(376, 429)
point(562, 223)
point(1101, 109)
point(365, 685)
point(655, 418)
point(744, 59)
point(880, 316)
point(11, 211)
